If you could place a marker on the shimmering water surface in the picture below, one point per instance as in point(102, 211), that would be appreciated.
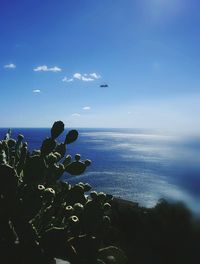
point(133, 164)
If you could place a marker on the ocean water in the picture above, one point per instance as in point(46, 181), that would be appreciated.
point(137, 165)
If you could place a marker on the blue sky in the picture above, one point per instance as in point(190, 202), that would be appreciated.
point(54, 55)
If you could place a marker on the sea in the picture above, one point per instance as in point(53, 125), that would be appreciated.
point(133, 164)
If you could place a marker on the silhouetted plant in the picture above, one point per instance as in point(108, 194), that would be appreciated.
point(49, 216)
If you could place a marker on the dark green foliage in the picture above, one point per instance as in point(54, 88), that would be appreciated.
point(48, 145)
point(77, 167)
point(164, 234)
point(61, 149)
point(46, 215)
point(57, 129)
point(11, 143)
point(112, 255)
point(71, 136)
point(21, 159)
point(8, 135)
point(86, 247)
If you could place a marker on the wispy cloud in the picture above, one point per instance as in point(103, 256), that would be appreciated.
point(10, 66)
point(86, 77)
point(44, 68)
point(76, 115)
point(86, 108)
point(66, 79)
point(37, 91)
point(94, 75)
point(77, 75)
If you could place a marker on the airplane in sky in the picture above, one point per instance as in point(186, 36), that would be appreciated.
point(104, 85)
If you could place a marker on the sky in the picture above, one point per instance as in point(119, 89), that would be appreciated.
point(55, 55)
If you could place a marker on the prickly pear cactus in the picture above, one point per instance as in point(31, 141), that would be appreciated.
point(50, 218)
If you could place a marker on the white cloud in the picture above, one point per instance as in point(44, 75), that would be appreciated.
point(37, 91)
point(94, 75)
point(46, 69)
point(86, 108)
point(10, 66)
point(65, 79)
point(129, 113)
point(76, 114)
point(77, 75)
point(86, 77)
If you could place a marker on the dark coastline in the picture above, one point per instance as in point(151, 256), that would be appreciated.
point(167, 233)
